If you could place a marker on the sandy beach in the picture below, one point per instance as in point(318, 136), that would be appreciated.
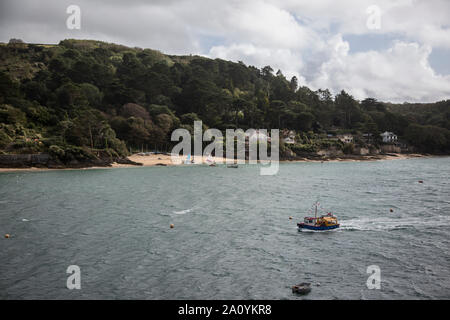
point(166, 160)
point(156, 160)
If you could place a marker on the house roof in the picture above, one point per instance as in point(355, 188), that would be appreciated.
point(387, 133)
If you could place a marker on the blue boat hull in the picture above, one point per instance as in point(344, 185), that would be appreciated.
point(317, 228)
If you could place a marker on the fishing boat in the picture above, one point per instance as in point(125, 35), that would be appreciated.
point(321, 223)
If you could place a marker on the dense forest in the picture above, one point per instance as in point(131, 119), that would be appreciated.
point(82, 97)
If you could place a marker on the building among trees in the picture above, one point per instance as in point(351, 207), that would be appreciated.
point(389, 137)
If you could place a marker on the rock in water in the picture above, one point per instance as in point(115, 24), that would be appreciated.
point(302, 288)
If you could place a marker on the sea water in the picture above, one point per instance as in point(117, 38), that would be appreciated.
point(232, 237)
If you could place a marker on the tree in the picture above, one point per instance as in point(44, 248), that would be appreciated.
point(35, 90)
point(92, 94)
point(304, 121)
point(134, 110)
point(294, 83)
point(11, 115)
point(266, 72)
point(15, 41)
point(189, 118)
point(349, 109)
point(428, 138)
point(71, 96)
point(57, 66)
point(8, 88)
point(371, 104)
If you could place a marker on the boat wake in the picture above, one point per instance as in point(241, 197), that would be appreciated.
point(183, 211)
point(386, 224)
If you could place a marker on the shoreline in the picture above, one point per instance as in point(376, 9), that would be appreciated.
point(166, 161)
point(361, 158)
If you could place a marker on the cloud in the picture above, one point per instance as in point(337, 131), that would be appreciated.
point(401, 73)
point(417, 20)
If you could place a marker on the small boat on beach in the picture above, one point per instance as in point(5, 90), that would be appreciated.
point(189, 160)
point(321, 223)
point(210, 161)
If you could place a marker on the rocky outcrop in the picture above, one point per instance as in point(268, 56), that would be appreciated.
point(24, 160)
point(127, 161)
point(47, 161)
point(361, 151)
point(390, 148)
point(330, 152)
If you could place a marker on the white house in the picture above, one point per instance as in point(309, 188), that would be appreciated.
point(388, 137)
point(289, 137)
point(345, 138)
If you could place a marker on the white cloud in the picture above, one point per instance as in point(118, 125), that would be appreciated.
point(264, 24)
point(417, 20)
point(398, 74)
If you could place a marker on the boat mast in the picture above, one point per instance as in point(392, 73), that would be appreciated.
point(315, 213)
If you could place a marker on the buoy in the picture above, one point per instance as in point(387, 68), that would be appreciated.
point(171, 226)
point(391, 210)
point(7, 235)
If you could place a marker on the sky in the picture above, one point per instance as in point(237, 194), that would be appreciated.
point(391, 50)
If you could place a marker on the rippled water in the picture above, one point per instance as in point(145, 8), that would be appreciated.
point(232, 237)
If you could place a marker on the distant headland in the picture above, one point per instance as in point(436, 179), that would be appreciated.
point(86, 103)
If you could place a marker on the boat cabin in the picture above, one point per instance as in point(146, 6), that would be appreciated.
point(326, 220)
point(310, 220)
